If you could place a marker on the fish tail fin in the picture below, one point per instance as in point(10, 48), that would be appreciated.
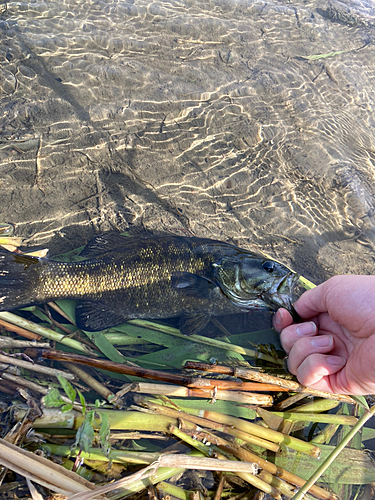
point(18, 278)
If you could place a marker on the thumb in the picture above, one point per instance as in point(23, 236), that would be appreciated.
point(312, 302)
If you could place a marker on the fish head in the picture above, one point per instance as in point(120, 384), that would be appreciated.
point(250, 280)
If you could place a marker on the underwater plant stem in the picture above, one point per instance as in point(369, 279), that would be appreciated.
point(8, 388)
point(136, 482)
point(275, 470)
point(205, 340)
point(247, 374)
point(193, 461)
point(46, 332)
point(20, 331)
point(325, 435)
point(324, 466)
point(286, 489)
point(11, 241)
point(167, 490)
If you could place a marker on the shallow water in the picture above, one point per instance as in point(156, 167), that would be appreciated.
point(250, 122)
point(203, 117)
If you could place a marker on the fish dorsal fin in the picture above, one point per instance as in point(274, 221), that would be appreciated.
point(191, 284)
point(193, 323)
point(103, 243)
point(95, 316)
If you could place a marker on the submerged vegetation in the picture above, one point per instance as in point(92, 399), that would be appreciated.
point(131, 409)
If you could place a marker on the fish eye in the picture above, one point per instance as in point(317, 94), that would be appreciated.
point(268, 266)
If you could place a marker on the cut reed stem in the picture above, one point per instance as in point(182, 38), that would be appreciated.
point(248, 374)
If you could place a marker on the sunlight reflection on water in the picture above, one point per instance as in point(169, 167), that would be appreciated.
point(210, 118)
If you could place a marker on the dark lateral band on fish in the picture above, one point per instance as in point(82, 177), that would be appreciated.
point(153, 278)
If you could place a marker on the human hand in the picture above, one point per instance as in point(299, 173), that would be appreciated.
point(334, 349)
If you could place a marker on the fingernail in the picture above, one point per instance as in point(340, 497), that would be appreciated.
point(308, 328)
point(277, 320)
point(324, 341)
point(336, 360)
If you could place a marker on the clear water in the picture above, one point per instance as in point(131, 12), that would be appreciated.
point(191, 116)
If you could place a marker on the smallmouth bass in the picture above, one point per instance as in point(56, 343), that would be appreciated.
point(161, 277)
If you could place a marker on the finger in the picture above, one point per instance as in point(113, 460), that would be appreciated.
point(281, 319)
point(316, 367)
point(305, 347)
point(292, 333)
point(312, 302)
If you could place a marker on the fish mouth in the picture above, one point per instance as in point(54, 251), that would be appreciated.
point(280, 294)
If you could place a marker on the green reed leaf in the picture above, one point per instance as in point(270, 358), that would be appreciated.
point(68, 388)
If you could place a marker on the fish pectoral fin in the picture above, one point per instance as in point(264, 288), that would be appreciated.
point(193, 323)
point(191, 284)
point(104, 243)
point(95, 316)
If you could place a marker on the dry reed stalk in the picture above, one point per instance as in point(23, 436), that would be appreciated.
point(235, 385)
point(46, 370)
point(41, 470)
point(19, 381)
point(256, 376)
point(11, 343)
point(20, 331)
point(175, 463)
point(252, 479)
point(137, 371)
point(186, 392)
